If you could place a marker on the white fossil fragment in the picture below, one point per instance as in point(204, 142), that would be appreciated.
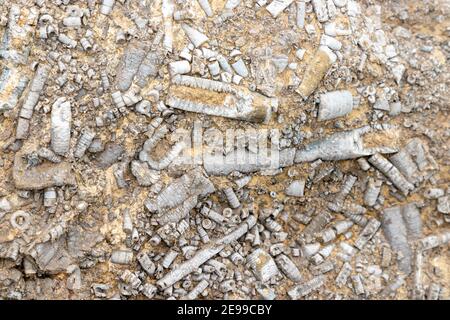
point(330, 42)
point(198, 289)
point(196, 37)
point(340, 146)
point(262, 265)
point(434, 241)
point(319, 65)
point(204, 4)
point(179, 67)
point(340, 3)
point(168, 8)
point(240, 68)
point(301, 13)
point(320, 8)
point(84, 142)
point(388, 169)
point(61, 121)
point(306, 288)
point(107, 7)
point(367, 233)
point(396, 233)
point(193, 183)
point(35, 90)
point(72, 22)
point(311, 249)
point(122, 256)
point(224, 64)
point(214, 68)
point(232, 198)
point(332, 30)
point(288, 267)
point(358, 286)
point(296, 188)
point(239, 103)
point(66, 40)
point(342, 226)
point(373, 190)
point(277, 6)
point(335, 104)
point(169, 258)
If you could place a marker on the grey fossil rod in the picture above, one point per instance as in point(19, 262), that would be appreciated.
point(343, 146)
point(205, 254)
point(219, 99)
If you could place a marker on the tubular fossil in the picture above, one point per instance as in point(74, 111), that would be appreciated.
point(61, 120)
point(11, 89)
point(316, 70)
point(151, 143)
point(35, 90)
point(43, 176)
point(175, 201)
point(388, 169)
point(219, 99)
point(234, 161)
point(341, 146)
point(131, 61)
point(203, 255)
point(396, 233)
point(335, 104)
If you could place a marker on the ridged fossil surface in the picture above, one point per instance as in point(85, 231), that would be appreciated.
point(224, 149)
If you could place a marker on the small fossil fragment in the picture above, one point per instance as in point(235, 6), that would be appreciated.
point(218, 99)
point(317, 68)
point(335, 104)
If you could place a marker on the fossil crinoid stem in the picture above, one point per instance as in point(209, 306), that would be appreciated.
point(316, 70)
point(344, 145)
point(219, 99)
point(61, 119)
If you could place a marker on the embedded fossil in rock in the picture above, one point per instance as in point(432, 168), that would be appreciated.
point(212, 149)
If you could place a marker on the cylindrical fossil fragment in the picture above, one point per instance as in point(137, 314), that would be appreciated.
point(373, 189)
point(382, 164)
point(219, 99)
point(307, 287)
point(129, 65)
point(122, 256)
point(232, 198)
point(301, 13)
point(84, 142)
point(50, 197)
point(434, 241)
point(277, 6)
point(9, 102)
point(196, 37)
point(262, 265)
point(342, 146)
point(179, 67)
point(203, 255)
point(396, 233)
point(320, 8)
point(198, 289)
point(288, 267)
point(316, 70)
point(330, 42)
point(36, 87)
point(296, 188)
point(204, 4)
point(48, 154)
point(61, 120)
point(335, 104)
point(107, 7)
